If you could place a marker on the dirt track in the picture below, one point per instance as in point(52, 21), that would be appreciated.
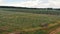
point(55, 31)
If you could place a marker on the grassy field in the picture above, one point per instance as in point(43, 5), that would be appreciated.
point(58, 33)
point(26, 23)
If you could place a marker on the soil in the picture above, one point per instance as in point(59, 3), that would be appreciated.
point(55, 31)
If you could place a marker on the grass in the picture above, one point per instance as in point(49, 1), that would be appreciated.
point(19, 21)
point(58, 33)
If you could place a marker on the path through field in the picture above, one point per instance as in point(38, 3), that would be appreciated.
point(55, 31)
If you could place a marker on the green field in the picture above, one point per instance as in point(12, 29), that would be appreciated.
point(26, 22)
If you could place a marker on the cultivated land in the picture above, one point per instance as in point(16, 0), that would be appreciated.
point(28, 21)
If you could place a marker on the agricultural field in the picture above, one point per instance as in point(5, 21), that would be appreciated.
point(22, 21)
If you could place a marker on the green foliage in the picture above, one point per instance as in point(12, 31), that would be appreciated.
point(36, 32)
point(58, 33)
point(36, 11)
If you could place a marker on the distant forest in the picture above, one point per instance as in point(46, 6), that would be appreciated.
point(28, 8)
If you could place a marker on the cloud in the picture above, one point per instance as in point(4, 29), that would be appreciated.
point(1, 1)
point(33, 3)
point(54, 3)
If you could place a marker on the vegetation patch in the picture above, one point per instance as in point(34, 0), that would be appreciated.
point(27, 23)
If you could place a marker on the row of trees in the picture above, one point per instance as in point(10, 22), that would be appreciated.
point(29, 8)
point(51, 11)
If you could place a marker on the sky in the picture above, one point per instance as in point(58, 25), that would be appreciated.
point(31, 3)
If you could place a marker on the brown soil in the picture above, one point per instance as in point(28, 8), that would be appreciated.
point(55, 31)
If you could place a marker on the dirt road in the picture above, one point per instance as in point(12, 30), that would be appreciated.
point(55, 31)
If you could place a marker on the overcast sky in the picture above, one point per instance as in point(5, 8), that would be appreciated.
point(31, 3)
